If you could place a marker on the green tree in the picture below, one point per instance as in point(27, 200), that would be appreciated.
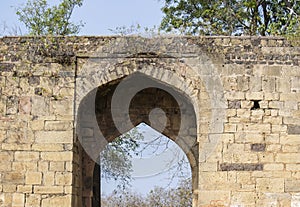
point(157, 197)
point(42, 19)
point(231, 17)
point(116, 157)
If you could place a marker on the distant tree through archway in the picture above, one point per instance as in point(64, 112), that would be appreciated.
point(158, 165)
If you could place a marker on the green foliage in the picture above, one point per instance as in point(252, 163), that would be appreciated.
point(43, 49)
point(116, 157)
point(295, 38)
point(158, 197)
point(180, 196)
point(234, 17)
point(136, 29)
point(41, 19)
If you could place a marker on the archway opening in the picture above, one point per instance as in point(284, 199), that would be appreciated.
point(159, 105)
point(156, 170)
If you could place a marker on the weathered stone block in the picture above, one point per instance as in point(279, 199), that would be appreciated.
point(270, 185)
point(24, 166)
point(273, 167)
point(254, 96)
point(293, 167)
point(18, 200)
point(272, 120)
point(13, 177)
point(240, 167)
point(292, 186)
point(268, 84)
point(255, 83)
point(272, 138)
point(295, 84)
point(290, 148)
point(283, 85)
point(12, 105)
point(244, 137)
point(16, 147)
point(47, 147)
point(209, 166)
point(33, 178)
point(40, 106)
point(58, 125)
point(26, 156)
point(48, 178)
point(258, 147)
point(271, 96)
point(246, 104)
point(245, 198)
point(213, 198)
point(43, 166)
point(25, 105)
point(230, 128)
point(288, 157)
point(37, 125)
point(276, 104)
point(289, 97)
point(274, 148)
point(262, 128)
point(63, 201)
point(292, 139)
point(54, 137)
point(33, 200)
point(48, 189)
point(5, 166)
point(232, 95)
point(293, 129)
point(61, 107)
point(266, 157)
point(290, 120)
point(63, 178)
point(24, 189)
point(9, 188)
point(54, 156)
point(234, 104)
point(291, 105)
point(268, 71)
point(57, 166)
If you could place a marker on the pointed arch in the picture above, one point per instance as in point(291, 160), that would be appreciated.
point(180, 78)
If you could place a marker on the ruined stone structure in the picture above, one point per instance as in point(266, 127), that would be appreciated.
point(231, 103)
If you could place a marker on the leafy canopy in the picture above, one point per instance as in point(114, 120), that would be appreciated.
point(116, 157)
point(231, 17)
point(42, 19)
point(158, 197)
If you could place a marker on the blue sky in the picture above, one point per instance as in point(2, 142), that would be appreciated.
point(156, 166)
point(99, 15)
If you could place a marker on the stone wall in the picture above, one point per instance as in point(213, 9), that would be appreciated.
point(244, 91)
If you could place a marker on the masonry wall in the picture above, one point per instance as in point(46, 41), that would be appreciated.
point(254, 150)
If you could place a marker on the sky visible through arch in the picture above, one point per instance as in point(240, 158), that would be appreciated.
point(99, 15)
point(158, 164)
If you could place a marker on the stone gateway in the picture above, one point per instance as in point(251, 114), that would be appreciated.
point(231, 103)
